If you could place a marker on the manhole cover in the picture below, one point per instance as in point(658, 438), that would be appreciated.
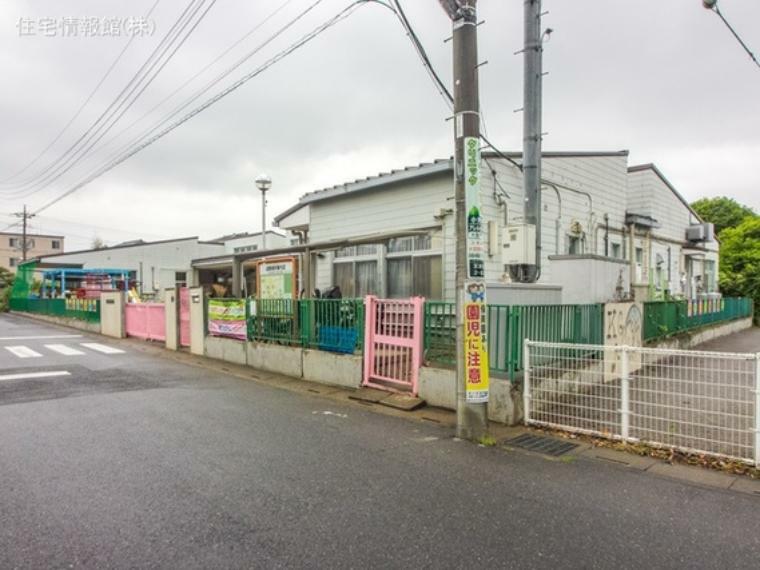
point(541, 444)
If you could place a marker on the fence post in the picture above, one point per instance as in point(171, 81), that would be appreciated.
point(624, 394)
point(526, 382)
point(757, 410)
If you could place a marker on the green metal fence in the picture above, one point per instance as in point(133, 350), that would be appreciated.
point(508, 327)
point(82, 309)
point(666, 318)
point(336, 325)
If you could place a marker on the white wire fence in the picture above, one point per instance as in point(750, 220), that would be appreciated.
point(693, 401)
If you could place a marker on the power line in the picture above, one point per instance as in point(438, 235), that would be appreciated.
point(198, 93)
point(156, 58)
point(195, 76)
point(83, 105)
point(716, 9)
point(341, 15)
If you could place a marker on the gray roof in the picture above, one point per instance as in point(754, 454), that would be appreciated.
point(424, 169)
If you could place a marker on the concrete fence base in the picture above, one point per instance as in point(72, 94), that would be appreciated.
point(64, 321)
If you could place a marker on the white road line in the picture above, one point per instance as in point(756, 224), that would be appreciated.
point(102, 348)
point(63, 349)
point(23, 351)
point(34, 375)
point(49, 337)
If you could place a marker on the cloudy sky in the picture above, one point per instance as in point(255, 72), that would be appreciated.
point(665, 80)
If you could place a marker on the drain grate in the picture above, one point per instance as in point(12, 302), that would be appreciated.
point(541, 444)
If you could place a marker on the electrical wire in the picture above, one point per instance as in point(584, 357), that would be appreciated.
point(83, 105)
point(341, 15)
point(716, 9)
point(198, 93)
point(166, 44)
point(191, 79)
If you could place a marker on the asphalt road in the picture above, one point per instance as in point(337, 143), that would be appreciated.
point(138, 461)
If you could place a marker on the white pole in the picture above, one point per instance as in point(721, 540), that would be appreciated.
point(526, 382)
point(624, 394)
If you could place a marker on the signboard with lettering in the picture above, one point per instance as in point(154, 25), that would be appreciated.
point(277, 278)
point(226, 317)
point(475, 343)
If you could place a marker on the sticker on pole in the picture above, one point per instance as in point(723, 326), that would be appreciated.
point(475, 246)
point(475, 343)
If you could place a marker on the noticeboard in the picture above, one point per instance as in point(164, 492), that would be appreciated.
point(277, 278)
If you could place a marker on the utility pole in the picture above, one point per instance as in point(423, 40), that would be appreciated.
point(532, 103)
point(472, 382)
point(24, 242)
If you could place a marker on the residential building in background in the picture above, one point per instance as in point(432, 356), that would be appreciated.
point(37, 244)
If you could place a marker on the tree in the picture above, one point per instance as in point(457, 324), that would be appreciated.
point(98, 243)
point(740, 260)
point(722, 211)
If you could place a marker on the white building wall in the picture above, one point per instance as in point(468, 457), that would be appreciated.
point(155, 264)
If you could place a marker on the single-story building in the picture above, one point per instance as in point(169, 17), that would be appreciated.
point(155, 265)
point(607, 230)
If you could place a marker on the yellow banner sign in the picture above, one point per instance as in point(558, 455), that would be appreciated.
point(475, 352)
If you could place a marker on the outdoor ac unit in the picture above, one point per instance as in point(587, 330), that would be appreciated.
point(700, 232)
point(519, 245)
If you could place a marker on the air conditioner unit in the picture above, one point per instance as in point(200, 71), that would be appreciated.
point(700, 232)
point(519, 245)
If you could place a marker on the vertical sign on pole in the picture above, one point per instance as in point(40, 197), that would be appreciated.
point(475, 311)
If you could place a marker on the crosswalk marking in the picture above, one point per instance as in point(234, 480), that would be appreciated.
point(51, 374)
point(23, 351)
point(105, 349)
point(44, 337)
point(63, 349)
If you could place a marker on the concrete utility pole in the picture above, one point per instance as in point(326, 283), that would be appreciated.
point(472, 420)
point(24, 242)
point(532, 95)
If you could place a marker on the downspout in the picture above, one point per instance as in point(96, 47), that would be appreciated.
point(558, 221)
point(606, 235)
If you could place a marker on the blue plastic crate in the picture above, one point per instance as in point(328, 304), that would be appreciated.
point(337, 339)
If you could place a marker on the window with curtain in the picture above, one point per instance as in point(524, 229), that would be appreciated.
point(415, 276)
point(356, 278)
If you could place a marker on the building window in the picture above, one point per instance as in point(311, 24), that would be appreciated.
point(414, 268)
point(245, 248)
point(615, 250)
point(356, 278)
point(55, 244)
point(12, 262)
point(295, 241)
point(356, 270)
point(710, 281)
point(13, 242)
point(180, 278)
point(415, 276)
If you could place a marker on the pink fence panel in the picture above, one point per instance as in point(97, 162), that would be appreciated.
point(145, 321)
point(393, 343)
point(184, 316)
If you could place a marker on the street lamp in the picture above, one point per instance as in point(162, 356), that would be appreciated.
point(263, 183)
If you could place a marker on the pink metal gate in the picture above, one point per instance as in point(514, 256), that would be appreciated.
point(393, 343)
point(184, 316)
point(145, 320)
